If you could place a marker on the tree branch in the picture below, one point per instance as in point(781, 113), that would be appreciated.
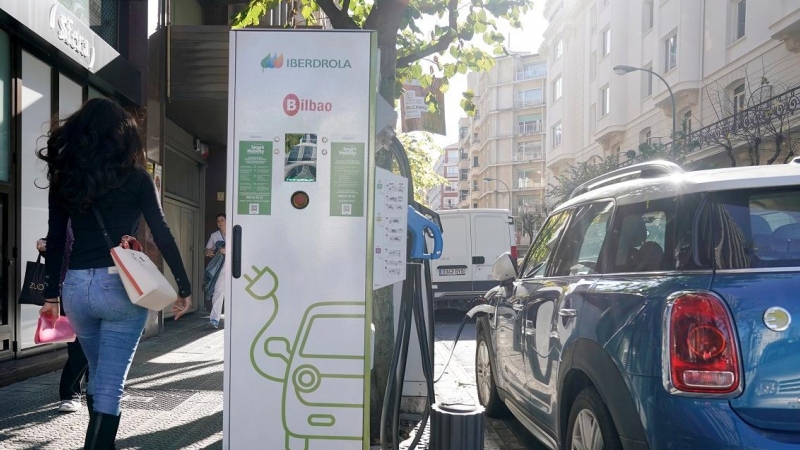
point(340, 19)
point(441, 45)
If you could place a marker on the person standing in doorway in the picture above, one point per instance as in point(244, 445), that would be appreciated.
point(215, 272)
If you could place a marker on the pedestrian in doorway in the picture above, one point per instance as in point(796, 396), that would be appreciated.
point(75, 370)
point(93, 167)
point(214, 280)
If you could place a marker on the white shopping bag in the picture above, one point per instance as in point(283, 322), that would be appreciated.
point(144, 283)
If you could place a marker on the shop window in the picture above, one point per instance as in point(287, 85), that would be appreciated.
point(102, 16)
point(5, 106)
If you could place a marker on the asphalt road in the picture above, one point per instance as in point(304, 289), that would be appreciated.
point(447, 324)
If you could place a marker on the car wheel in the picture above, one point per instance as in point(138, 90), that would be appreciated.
point(484, 377)
point(590, 424)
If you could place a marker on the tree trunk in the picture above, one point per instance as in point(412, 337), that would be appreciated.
point(778, 145)
point(731, 156)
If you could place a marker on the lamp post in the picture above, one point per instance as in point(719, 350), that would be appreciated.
point(510, 211)
point(623, 69)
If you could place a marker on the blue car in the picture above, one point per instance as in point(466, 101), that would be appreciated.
point(654, 313)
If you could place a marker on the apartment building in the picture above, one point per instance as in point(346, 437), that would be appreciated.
point(724, 61)
point(504, 142)
point(446, 196)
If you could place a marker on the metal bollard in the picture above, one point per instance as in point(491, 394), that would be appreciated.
point(457, 426)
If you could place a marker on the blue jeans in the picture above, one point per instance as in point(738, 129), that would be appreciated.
point(108, 326)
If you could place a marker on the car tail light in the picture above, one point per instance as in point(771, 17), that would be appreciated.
point(702, 351)
point(514, 253)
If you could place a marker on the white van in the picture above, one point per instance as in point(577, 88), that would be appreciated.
point(473, 240)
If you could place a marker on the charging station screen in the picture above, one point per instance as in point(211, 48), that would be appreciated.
point(301, 157)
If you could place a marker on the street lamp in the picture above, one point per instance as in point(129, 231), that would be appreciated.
point(623, 69)
point(487, 179)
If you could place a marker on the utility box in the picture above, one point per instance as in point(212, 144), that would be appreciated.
point(301, 140)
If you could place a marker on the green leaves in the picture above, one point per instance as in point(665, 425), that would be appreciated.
point(422, 153)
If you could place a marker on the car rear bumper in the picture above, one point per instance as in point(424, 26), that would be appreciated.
point(673, 422)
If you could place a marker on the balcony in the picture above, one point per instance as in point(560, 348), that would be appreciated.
point(527, 128)
point(197, 80)
point(528, 102)
point(523, 75)
point(527, 183)
point(528, 156)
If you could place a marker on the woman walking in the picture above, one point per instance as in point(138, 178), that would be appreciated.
point(92, 168)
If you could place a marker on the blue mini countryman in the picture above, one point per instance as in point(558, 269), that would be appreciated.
point(654, 313)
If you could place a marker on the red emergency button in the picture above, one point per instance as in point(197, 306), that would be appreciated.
point(299, 200)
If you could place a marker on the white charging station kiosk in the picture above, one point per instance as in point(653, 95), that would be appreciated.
point(301, 140)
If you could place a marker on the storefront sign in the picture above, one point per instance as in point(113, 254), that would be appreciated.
point(72, 32)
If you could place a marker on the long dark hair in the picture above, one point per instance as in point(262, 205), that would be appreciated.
point(90, 153)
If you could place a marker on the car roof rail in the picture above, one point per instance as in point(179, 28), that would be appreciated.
point(650, 169)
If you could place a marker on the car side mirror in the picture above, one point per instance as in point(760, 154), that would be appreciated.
point(504, 269)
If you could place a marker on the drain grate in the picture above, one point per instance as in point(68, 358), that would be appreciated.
point(154, 400)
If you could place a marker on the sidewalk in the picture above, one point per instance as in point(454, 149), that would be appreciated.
point(173, 398)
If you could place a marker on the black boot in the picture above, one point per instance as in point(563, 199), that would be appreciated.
point(102, 431)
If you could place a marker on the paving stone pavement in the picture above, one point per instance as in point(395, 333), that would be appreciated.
point(173, 397)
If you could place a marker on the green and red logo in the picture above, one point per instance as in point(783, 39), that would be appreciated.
point(292, 104)
point(276, 61)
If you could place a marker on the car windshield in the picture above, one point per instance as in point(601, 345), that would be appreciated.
point(756, 228)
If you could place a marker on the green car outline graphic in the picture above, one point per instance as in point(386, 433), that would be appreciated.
point(310, 378)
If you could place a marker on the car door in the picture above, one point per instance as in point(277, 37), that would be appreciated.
point(510, 340)
point(551, 312)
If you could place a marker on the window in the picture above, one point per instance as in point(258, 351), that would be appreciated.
point(528, 179)
point(529, 71)
point(464, 174)
point(647, 82)
point(463, 132)
point(739, 19)
point(474, 185)
point(475, 137)
point(648, 12)
point(475, 161)
point(686, 123)
point(528, 150)
point(5, 113)
point(557, 135)
point(559, 49)
point(529, 97)
point(738, 99)
point(670, 52)
point(451, 187)
point(605, 44)
point(475, 205)
point(593, 66)
point(463, 194)
point(452, 171)
point(605, 101)
point(529, 124)
point(452, 155)
point(535, 264)
point(557, 92)
point(579, 252)
point(646, 136)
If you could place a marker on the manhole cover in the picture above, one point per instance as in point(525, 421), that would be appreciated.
point(154, 400)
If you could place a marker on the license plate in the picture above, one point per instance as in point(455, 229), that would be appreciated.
point(452, 272)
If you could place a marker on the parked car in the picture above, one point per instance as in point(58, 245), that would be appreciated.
point(654, 313)
point(473, 239)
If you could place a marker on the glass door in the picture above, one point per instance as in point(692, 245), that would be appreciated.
point(7, 301)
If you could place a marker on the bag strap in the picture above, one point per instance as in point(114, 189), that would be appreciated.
point(102, 223)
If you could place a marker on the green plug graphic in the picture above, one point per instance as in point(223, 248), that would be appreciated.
point(260, 287)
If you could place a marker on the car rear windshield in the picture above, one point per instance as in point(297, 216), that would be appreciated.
point(755, 228)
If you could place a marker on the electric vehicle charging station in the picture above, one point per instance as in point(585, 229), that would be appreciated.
point(301, 169)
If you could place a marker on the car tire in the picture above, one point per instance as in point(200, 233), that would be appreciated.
point(589, 416)
point(485, 379)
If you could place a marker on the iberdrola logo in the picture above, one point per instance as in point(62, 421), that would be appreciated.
point(272, 62)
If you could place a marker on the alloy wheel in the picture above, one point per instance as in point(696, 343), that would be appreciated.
point(484, 373)
point(586, 434)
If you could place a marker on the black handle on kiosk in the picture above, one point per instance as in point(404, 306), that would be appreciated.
point(236, 263)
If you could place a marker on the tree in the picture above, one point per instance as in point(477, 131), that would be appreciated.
point(421, 149)
point(577, 174)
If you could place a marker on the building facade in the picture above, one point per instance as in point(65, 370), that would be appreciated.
point(446, 196)
point(720, 57)
point(504, 142)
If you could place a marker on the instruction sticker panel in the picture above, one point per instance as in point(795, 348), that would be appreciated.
point(347, 179)
point(391, 223)
point(255, 178)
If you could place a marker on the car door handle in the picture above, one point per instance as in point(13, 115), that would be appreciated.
point(567, 312)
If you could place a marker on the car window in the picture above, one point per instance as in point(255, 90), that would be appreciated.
point(535, 264)
point(643, 237)
point(579, 251)
point(754, 228)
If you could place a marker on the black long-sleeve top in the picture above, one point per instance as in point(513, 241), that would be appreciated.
point(121, 209)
